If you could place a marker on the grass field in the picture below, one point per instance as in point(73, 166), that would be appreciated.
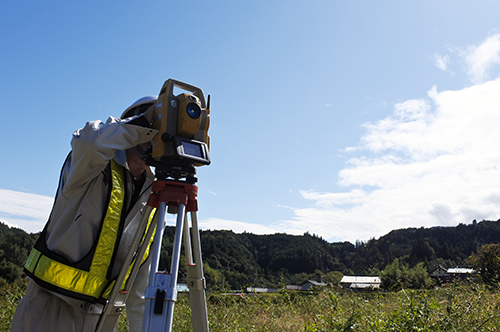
point(455, 308)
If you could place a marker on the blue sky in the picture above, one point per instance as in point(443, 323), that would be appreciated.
point(343, 119)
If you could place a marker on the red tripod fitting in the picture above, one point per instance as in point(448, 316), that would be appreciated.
point(174, 193)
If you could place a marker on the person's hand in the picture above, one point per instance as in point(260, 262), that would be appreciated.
point(149, 114)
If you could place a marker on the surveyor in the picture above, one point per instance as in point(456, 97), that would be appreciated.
point(104, 186)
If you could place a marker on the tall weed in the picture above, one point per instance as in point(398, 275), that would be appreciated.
point(457, 308)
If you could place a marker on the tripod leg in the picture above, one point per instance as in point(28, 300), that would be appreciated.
point(116, 300)
point(162, 289)
point(196, 282)
point(156, 248)
point(174, 269)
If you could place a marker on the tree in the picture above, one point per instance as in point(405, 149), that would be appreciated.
point(487, 263)
point(10, 271)
point(214, 277)
point(418, 277)
point(397, 275)
point(420, 252)
point(393, 276)
point(334, 277)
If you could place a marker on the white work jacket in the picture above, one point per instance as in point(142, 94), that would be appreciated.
point(81, 199)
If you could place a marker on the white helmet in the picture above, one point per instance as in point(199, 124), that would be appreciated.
point(139, 107)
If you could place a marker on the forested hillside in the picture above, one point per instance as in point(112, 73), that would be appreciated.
point(265, 260)
point(237, 260)
point(15, 245)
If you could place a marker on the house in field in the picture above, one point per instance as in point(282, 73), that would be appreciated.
point(360, 282)
point(442, 274)
point(311, 284)
point(261, 290)
point(461, 272)
point(305, 286)
point(294, 287)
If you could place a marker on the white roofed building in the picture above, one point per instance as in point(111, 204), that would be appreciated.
point(360, 282)
point(443, 275)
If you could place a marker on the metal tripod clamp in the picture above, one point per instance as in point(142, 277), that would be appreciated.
point(197, 283)
point(161, 292)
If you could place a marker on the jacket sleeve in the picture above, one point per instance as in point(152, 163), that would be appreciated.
point(96, 143)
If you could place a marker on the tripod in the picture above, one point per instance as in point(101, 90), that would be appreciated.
point(180, 198)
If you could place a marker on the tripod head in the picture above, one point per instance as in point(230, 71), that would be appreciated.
point(185, 173)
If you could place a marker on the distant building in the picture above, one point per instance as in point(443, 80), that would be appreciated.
point(360, 282)
point(461, 271)
point(305, 286)
point(442, 274)
point(261, 290)
point(311, 284)
point(294, 287)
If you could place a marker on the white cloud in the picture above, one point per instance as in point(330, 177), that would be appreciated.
point(480, 59)
point(442, 61)
point(432, 162)
point(23, 210)
point(30, 213)
point(329, 199)
point(237, 226)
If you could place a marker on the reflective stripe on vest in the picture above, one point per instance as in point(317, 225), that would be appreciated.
point(91, 283)
point(146, 255)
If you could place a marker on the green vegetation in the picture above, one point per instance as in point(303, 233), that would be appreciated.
point(397, 276)
point(15, 246)
point(402, 258)
point(10, 295)
point(487, 263)
point(456, 308)
point(235, 261)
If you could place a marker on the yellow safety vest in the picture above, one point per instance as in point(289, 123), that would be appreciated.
point(91, 283)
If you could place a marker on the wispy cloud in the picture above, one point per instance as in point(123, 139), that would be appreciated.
point(434, 161)
point(30, 213)
point(237, 226)
point(442, 61)
point(480, 59)
point(23, 210)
